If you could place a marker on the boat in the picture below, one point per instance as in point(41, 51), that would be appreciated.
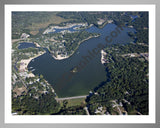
point(32, 70)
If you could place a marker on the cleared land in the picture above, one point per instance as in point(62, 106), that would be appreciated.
point(33, 22)
point(76, 102)
point(54, 19)
point(72, 101)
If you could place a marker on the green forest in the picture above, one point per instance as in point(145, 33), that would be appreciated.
point(127, 79)
point(28, 105)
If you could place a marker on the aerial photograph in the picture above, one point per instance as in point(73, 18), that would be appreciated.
point(80, 63)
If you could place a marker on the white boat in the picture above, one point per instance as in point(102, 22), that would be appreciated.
point(32, 70)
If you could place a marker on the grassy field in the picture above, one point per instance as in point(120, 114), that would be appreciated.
point(134, 112)
point(32, 22)
point(54, 19)
point(74, 102)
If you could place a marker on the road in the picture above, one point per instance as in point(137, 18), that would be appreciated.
point(21, 80)
point(120, 113)
point(86, 109)
point(116, 105)
point(15, 40)
point(69, 98)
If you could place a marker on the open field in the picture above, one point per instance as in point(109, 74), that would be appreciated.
point(19, 91)
point(34, 28)
point(73, 102)
point(32, 22)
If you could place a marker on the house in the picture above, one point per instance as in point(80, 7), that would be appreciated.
point(25, 36)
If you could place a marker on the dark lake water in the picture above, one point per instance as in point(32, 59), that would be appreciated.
point(24, 45)
point(57, 72)
point(70, 29)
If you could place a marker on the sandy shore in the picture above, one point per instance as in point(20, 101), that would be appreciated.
point(24, 63)
point(103, 54)
point(31, 75)
point(37, 45)
point(59, 57)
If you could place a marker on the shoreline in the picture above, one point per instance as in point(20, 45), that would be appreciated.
point(24, 63)
point(103, 54)
point(67, 26)
point(36, 44)
point(61, 58)
point(69, 98)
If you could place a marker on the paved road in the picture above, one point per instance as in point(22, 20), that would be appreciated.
point(68, 98)
point(86, 109)
point(120, 113)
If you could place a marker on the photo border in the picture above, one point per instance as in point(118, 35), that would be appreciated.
point(9, 118)
point(2, 76)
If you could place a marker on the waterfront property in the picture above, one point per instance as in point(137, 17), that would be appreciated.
point(58, 72)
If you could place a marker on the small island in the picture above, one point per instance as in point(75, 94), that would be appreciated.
point(74, 70)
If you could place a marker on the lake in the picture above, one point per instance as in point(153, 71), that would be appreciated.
point(26, 45)
point(73, 28)
point(58, 72)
